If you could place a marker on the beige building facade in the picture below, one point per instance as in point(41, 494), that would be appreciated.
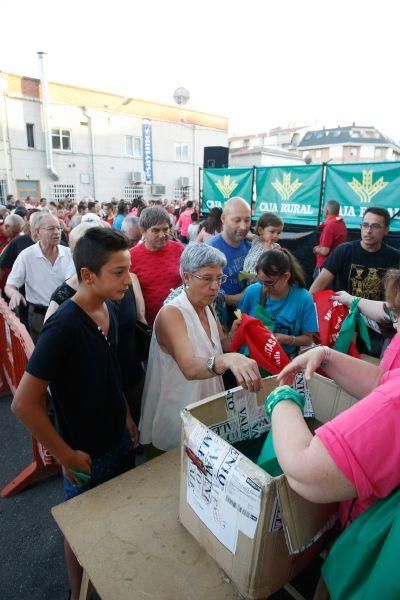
point(97, 144)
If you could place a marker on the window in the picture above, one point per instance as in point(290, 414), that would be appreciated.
point(30, 140)
point(182, 152)
point(318, 153)
point(179, 193)
point(60, 191)
point(319, 134)
point(131, 192)
point(133, 146)
point(61, 139)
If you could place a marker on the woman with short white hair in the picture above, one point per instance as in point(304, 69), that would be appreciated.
point(187, 353)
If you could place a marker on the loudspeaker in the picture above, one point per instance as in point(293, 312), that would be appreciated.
point(216, 157)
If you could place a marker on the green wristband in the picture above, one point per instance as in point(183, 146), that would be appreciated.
point(283, 393)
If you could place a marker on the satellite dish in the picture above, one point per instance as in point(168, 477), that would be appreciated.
point(181, 96)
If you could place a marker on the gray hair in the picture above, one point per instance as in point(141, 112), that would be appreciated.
point(152, 216)
point(16, 221)
point(35, 218)
point(129, 222)
point(196, 256)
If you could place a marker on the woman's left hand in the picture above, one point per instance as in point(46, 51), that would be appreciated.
point(132, 429)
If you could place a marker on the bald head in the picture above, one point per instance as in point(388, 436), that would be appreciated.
point(13, 225)
point(236, 219)
point(236, 203)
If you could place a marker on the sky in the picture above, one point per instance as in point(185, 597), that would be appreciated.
point(263, 64)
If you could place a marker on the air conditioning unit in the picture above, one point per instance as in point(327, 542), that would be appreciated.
point(137, 177)
point(184, 182)
point(157, 190)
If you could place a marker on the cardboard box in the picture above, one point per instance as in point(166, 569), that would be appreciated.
point(258, 530)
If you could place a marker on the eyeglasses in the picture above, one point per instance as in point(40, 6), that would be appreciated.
point(51, 228)
point(269, 283)
point(220, 279)
point(373, 226)
point(390, 313)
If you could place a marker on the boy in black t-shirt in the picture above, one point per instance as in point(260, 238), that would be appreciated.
point(76, 356)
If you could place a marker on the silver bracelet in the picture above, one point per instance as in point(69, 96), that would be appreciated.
point(293, 340)
point(327, 356)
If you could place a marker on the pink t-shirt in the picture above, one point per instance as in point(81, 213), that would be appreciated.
point(364, 442)
point(184, 221)
point(391, 357)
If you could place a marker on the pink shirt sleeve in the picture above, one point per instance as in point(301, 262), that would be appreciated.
point(364, 441)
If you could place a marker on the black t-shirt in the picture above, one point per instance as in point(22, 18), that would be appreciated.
point(360, 272)
point(11, 251)
point(85, 380)
point(128, 351)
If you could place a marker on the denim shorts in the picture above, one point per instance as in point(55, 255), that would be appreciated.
point(104, 467)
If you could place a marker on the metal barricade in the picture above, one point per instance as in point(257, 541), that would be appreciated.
point(16, 346)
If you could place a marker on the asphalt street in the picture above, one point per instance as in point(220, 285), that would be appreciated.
point(31, 548)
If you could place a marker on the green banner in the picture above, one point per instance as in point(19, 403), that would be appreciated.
point(358, 186)
point(291, 192)
point(219, 185)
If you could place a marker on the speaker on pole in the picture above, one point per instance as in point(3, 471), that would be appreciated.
point(216, 157)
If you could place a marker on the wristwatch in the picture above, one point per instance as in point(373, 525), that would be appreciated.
point(210, 364)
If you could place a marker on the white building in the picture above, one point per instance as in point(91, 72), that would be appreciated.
point(96, 144)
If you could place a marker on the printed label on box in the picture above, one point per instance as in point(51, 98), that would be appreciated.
point(245, 419)
point(275, 523)
point(224, 498)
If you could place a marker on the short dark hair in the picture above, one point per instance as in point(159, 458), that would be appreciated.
point(194, 216)
point(21, 211)
point(93, 249)
point(91, 205)
point(333, 207)
point(268, 219)
point(189, 204)
point(381, 212)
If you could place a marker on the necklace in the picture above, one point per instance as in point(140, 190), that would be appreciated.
point(268, 306)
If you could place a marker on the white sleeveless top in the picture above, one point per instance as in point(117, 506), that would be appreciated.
point(166, 389)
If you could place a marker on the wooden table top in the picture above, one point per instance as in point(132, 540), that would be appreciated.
point(127, 537)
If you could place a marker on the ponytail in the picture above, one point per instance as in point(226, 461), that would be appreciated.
point(278, 262)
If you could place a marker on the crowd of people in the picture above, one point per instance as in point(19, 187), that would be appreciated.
point(138, 301)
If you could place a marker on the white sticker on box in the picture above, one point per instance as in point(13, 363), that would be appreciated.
point(275, 523)
point(245, 419)
point(300, 384)
point(224, 498)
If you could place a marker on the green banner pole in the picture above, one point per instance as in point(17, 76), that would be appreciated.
point(200, 193)
point(252, 189)
point(321, 192)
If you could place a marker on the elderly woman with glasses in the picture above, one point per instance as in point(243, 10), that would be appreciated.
point(188, 351)
point(353, 459)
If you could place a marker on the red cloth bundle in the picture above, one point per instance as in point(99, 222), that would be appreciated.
point(263, 346)
point(331, 315)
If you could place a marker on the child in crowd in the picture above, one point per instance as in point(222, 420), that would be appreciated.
point(193, 227)
point(268, 229)
point(76, 354)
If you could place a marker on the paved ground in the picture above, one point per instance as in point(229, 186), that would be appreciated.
point(31, 548)
point(31, 545)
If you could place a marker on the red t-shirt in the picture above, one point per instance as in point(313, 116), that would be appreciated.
point(158, 273)
point(334, 232)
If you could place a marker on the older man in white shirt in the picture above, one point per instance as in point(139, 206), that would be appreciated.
point(41, 268)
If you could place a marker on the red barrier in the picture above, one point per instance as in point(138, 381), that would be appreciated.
point(16, 347)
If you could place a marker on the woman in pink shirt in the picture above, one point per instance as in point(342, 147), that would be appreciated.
point(353, 459)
